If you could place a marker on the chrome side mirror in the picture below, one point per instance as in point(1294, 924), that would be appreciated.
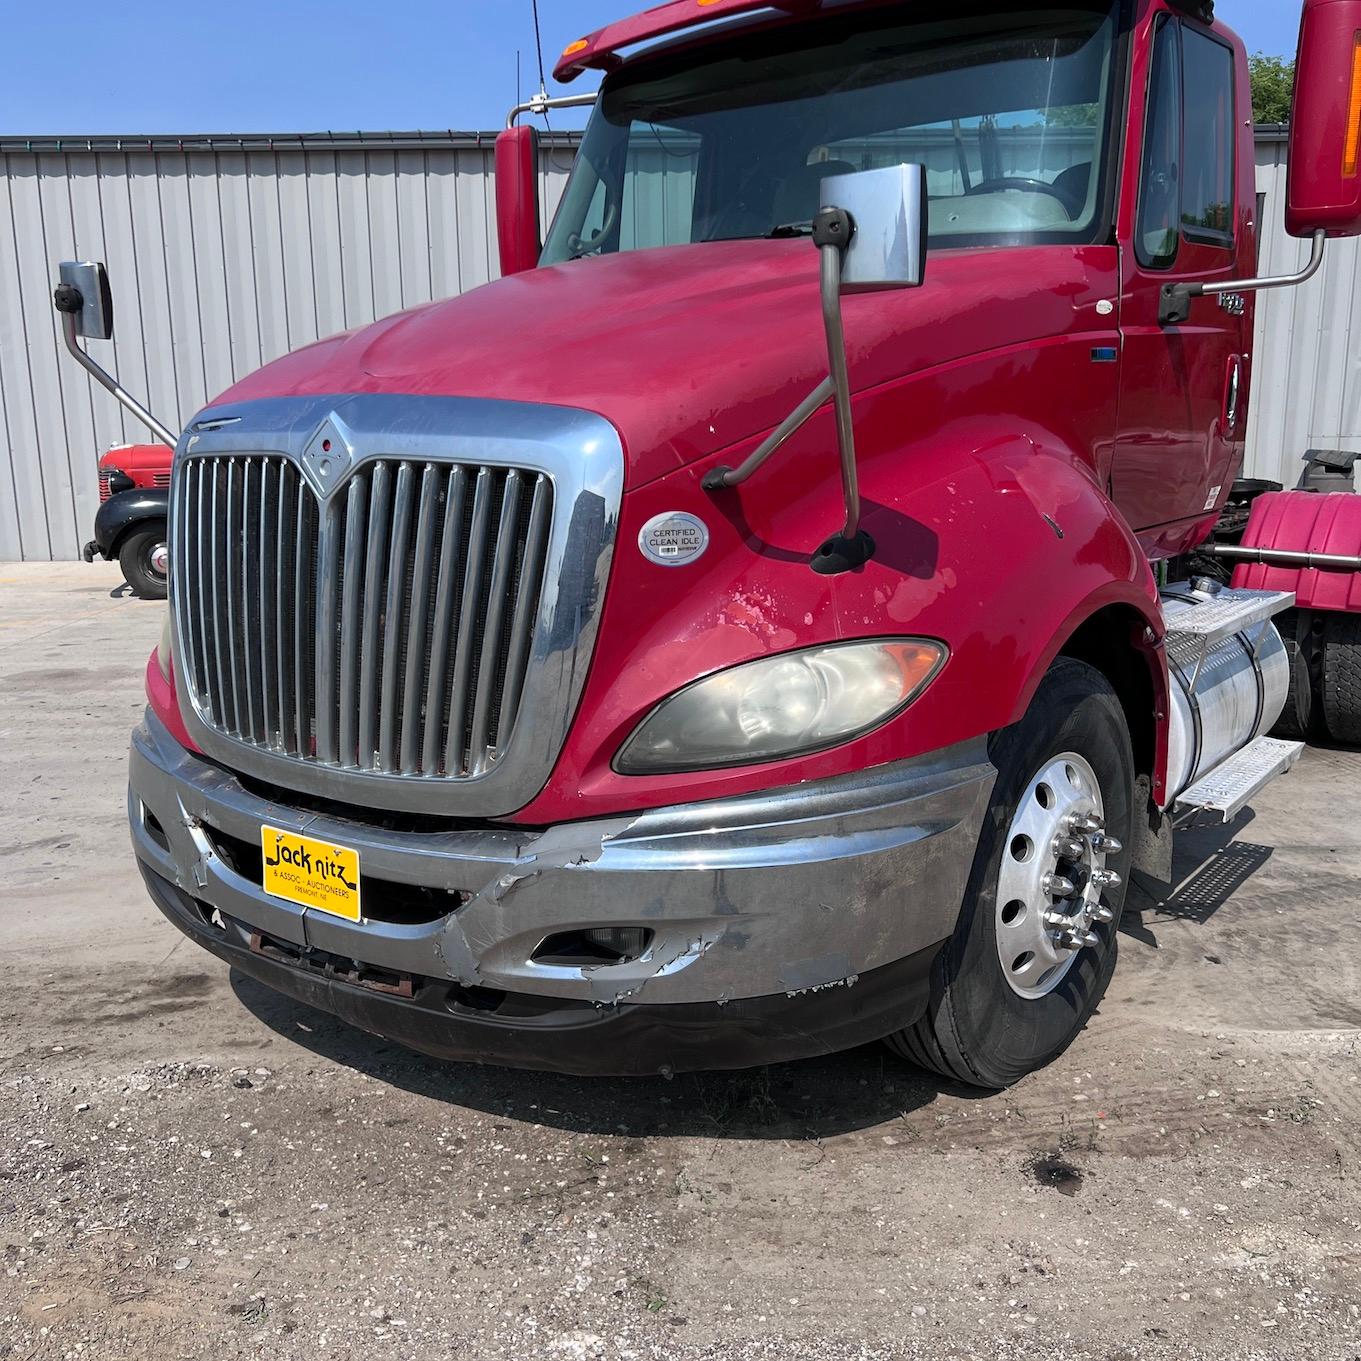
point(84, 294)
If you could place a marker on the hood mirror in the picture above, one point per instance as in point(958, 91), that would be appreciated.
point(871, 234)
point(85, 304)
point(83, 292)
point(887, 248)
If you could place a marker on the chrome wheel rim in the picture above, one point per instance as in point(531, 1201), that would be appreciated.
point(1050, 891)
point(160, 559)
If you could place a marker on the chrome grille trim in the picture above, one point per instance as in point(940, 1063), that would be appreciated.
point(410, 632)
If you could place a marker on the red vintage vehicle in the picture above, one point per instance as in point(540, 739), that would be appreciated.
point(130, 525)
point(529, 692)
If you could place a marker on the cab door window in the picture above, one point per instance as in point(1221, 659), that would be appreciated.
point(1157, 226)
point(1207, 177)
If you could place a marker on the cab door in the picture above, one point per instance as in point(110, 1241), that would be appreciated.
point(1182, 409)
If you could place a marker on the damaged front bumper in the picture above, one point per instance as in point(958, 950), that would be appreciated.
point(794, 922)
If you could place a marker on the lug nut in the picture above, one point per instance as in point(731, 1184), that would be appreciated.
point(1058, 919)
point(1102, 913)
point(1080, 939)
point(1104, 842)
point(1106, 879)
point(1058, 886)
point(1086, 823)
point(1068, 848)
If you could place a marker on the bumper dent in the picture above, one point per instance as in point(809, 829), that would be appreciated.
point(758, 897)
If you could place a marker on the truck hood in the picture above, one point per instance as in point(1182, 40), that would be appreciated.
point(687, 350)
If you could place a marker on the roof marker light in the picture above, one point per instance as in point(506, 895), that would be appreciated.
point(574, 47)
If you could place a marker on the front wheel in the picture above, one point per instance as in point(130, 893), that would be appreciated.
point(1035, 945)
point(144, 560)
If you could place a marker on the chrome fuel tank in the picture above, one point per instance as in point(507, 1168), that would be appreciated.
point(1223, 697)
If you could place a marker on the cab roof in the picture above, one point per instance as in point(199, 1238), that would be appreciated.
point(601, 49)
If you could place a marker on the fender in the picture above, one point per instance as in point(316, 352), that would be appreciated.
point(1305, 522)
point(1003, 546)
point(124, 511)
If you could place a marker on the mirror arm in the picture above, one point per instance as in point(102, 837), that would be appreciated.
point(68, 324)
point(541, 103)
point(1176, 298)
point(830, 281)
point(833, 229)
point(718, 478)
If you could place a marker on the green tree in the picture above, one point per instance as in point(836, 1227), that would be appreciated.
point(1273, 83)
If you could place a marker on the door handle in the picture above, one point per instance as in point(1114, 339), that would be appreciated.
point(1233, 392)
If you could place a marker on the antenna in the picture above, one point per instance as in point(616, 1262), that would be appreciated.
point(538, 47)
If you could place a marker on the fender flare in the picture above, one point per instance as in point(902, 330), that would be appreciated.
point(126, 511)
point(1085, 562)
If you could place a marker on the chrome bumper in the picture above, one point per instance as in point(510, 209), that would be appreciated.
point(771, 894)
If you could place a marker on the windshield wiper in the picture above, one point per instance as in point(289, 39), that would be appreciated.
point(790, 229)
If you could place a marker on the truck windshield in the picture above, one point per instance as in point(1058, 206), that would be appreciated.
point(1011, 113)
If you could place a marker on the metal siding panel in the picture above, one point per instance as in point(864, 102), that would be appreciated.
point(492, 256)
point(11, 543)
point(203, 182)
point(356, 261)
point(73, 440)
point(238, 262)
point(474, 249)
point(1337, 419)
point(40, 325)
point(295, 237)
point(323, 209)
point(1274, 383)
point(23, 524)
point(121, 257)
point(442, 217)
point(157, 301)
point(269, 281)
point(181, 272)
point(88, 243)
point(385, 242)
point(413, 228)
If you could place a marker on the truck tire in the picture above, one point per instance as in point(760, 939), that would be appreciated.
point(1008, 994)
point(141, 556)
point(1297, 717)
point(1342, 677)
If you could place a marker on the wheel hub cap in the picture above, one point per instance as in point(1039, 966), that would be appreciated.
point(1053, 875)
point(160, 559)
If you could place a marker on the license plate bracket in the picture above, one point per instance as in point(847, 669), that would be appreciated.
point(309, 872)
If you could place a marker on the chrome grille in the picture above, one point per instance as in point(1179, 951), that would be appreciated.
point(385, 629)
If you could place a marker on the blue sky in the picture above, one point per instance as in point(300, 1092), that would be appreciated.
point(303, 66)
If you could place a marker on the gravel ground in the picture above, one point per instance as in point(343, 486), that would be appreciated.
point(193, 1167)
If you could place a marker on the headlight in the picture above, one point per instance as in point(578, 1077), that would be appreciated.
point(782, 706)
point(163, 647)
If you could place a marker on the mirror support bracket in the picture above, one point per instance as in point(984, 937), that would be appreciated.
point(68, 302)
point(1175, 307)
point(833, 229)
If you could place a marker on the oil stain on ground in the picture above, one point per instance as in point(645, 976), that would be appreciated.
point(1055, 1171)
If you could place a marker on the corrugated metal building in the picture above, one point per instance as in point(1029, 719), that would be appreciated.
point(228, 251)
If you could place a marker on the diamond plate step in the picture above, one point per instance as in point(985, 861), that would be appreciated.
point(1227, 789)
point(1230, 612)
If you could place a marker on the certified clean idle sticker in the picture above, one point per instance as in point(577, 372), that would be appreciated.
point(673, 539)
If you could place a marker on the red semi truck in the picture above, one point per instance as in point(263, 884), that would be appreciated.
point(752, 626)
